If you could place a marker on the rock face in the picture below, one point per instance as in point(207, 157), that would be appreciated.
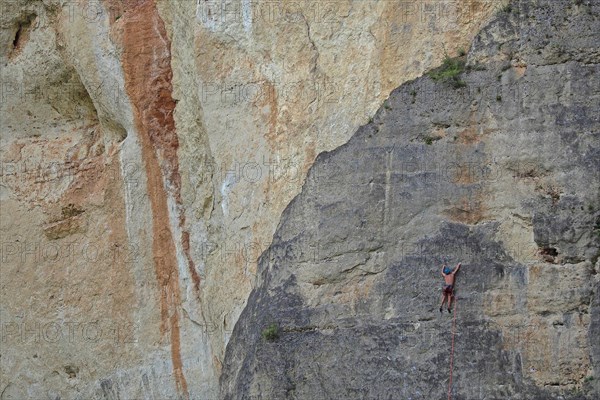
point(277, 83)
point(497, 167)
point(148, 149)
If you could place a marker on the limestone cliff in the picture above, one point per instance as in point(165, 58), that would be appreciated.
point(492, 160)
point(149, 147)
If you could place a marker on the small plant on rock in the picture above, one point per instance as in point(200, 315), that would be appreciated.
point(413, 94)
point(450, 72)
point(271, 332)
point(507, 8)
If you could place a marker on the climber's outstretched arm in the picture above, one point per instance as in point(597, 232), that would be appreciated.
point(456, 269)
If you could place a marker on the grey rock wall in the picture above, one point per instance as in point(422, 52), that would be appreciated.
point(497, 168)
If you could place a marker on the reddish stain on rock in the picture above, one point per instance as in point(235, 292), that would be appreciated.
point(146, 60)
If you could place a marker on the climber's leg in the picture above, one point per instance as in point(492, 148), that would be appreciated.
point(443, 300)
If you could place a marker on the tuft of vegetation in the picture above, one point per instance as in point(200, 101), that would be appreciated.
point(507, 8)
point(462, 52)
point(271, 332)
point(458, 84)
point(413, 94)
point(429, 140)
point(450, 72)
point(498, 98)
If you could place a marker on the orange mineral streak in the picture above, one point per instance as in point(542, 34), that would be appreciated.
point(146, 60)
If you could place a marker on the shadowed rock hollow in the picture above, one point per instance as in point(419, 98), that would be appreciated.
point(497, 167)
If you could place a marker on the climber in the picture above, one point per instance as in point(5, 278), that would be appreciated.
point(448, 287)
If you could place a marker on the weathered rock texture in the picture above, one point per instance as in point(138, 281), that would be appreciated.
point(498, 168)
point(278, 83)
point(148, 149)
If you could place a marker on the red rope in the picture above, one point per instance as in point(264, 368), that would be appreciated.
point(452, 351)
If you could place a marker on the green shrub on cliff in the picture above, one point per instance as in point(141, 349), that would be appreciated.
point(271, 332)
point(449, 72)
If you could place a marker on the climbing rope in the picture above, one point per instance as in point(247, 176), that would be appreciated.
point(452, 349)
